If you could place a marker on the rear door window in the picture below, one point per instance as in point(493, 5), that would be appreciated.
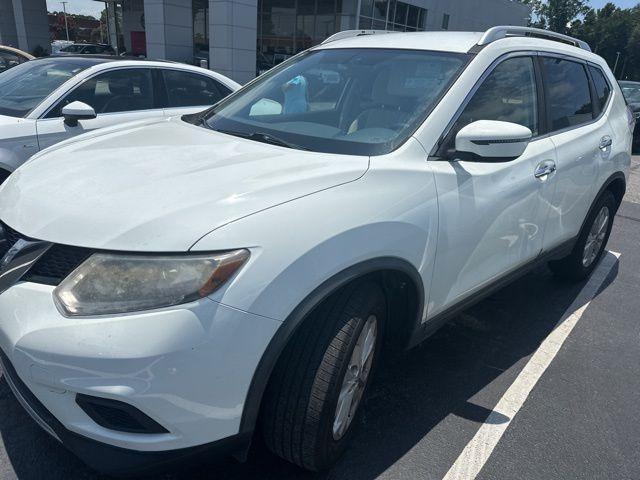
point(567, 91)
point(187, 89)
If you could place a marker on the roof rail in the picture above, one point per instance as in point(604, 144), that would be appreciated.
point(496, 33)
point(353, 33)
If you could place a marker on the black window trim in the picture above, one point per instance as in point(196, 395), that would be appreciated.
point(436, 153)
point(43, 116)
point(544, 124)
point(601, 111)
point(585, 65)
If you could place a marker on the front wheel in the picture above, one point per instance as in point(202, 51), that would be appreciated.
point(319, 382)
point(591, 241)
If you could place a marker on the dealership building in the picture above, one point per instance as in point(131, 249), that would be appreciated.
point(237, 37)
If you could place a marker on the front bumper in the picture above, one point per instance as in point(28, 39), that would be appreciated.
point(187, 367)
point(107, 458)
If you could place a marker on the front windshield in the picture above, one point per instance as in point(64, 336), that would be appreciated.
point(631, 92)
point(345, 101)
point(23, 87)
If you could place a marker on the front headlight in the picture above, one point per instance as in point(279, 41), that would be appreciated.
point(113, 283)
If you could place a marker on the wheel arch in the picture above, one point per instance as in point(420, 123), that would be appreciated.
point(617, 185)
point(402, 284)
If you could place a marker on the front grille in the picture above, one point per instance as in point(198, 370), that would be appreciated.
point(58, 262)
point(54, 266)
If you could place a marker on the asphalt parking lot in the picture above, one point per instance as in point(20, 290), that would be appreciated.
point(580, 419)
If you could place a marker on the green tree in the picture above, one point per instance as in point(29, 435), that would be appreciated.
point(613, 33)
point(556, 15)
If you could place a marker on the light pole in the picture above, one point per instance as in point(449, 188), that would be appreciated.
point(615, 67)
point(66, 25)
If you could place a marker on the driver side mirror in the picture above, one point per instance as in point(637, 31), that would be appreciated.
point(492, 141)
point(77, 111)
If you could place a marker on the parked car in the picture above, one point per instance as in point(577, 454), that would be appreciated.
point(57, 45)
point(51, 99)
point(87, 49)
point(631, 91)
point(10, 57)
point(170, 286)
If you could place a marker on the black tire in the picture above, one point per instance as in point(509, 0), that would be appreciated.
point(572, 266)
point(302, 396)
point(3, 176)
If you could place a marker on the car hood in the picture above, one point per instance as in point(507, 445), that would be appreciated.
point(159, 185)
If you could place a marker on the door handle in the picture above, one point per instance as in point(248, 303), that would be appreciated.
point(605, 142)
point(544, 168)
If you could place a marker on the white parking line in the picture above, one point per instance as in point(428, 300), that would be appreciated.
point(479, 449)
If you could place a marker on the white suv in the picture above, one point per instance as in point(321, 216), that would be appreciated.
point(172, 285)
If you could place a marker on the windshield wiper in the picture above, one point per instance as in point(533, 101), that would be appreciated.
point(264, 138)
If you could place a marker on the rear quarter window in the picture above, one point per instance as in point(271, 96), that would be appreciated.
point(603, 89)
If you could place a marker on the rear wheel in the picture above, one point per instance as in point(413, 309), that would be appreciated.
point(591, 241)
point(319, 382)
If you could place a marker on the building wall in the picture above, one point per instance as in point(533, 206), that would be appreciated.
point(8, 34)
point(133, 20)
point(23, 23)
point(169, 29)
point(286, 27)
point(232, 38)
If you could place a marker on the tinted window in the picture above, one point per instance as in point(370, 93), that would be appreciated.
point(185, 89)
point(8, 60)
point(23, 87)
point(348, 101)
point(603, 90)
point(72, 48)
point(631, 91)
point(110, 92)
point(508, 94)
point(568, 94)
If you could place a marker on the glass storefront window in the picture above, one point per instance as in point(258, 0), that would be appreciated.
point(401, 13)
point(380, 10)
point(200, 9)
point(287, 27)
point(366, 8)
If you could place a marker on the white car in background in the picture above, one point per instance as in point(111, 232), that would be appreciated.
point(45, 101)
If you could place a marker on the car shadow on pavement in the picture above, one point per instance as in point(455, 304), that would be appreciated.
point(468, 362)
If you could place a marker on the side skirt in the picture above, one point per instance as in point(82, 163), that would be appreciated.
point(428, 328)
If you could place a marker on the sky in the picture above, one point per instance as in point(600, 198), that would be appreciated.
point(620, 3)
point(81, 7)
point(91, 7)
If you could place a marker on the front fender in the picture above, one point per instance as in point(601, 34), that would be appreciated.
point(297, 246)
